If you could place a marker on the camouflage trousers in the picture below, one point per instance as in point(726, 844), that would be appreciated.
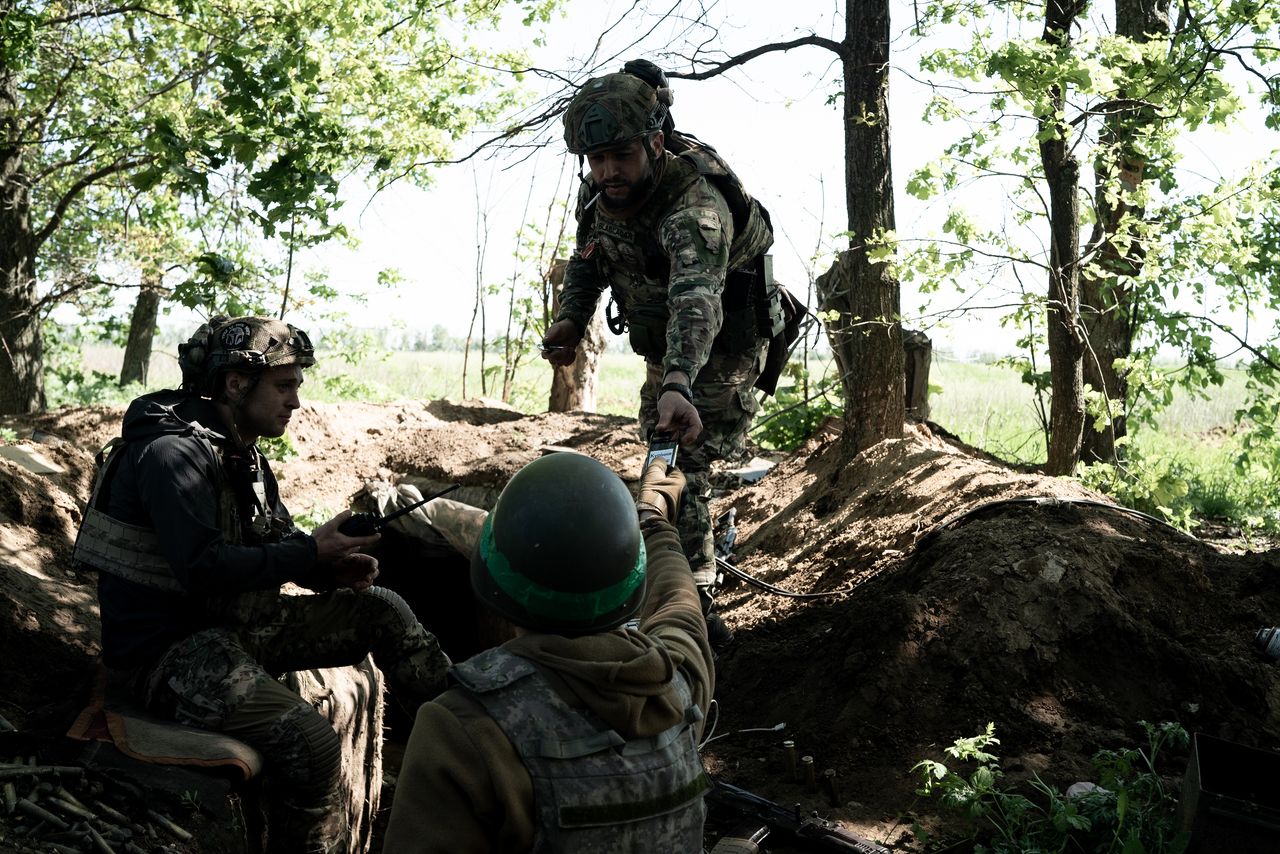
point(724, 395)
point(225, 679)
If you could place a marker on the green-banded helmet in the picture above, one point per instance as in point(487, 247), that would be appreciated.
point(561, 553)
point(248, 344)
point(613, 110)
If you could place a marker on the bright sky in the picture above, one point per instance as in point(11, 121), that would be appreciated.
point(769, 119)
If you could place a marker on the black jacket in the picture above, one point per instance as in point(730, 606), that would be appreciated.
point(168, 479)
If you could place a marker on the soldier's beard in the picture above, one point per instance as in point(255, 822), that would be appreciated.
point(637, 192)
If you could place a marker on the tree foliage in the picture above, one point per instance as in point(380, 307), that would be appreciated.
point(1185, 250)
point(283, 98)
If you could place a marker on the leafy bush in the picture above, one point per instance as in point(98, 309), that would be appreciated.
point(67, 380)
point(1129, 811)
point(790, 417)
point(1184, 479)
point(1159, 486)
point(278, 449)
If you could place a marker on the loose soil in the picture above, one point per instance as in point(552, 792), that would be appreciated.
point(946, 591)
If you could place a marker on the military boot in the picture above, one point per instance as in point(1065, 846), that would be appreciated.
point(718, 632)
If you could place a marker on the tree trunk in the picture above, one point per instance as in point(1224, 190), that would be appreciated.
point(1107, 302)
point(867, 336)
point(573, 388)
point(21, 350)
point(1066, 340)
point(142, 331)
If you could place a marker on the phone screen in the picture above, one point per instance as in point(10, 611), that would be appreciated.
point(662, 449)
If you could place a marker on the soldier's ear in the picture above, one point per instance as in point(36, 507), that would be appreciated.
point(236, 385)
point(659, 143)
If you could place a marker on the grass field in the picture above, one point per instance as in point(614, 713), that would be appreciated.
point(986, 405)
point(1184, 467)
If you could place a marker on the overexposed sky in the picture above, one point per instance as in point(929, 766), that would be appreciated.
point(771, 121)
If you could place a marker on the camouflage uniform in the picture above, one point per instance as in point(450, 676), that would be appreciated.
point(192, 546)
point(666, 266)
point(225, 679)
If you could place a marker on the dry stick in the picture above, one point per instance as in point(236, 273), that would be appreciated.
point(62, 792)
point(9, 772)
point(112, 813)
point(69, 808)
point(168, 825)
point(99, 843)
point(41, 813)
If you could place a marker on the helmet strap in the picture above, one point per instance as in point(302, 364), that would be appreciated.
point(235, 404)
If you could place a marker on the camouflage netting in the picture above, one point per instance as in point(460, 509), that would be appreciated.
point(353, 700)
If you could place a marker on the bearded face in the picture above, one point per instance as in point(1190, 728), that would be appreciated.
point(624, 173)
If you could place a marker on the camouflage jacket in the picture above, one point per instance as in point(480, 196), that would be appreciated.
point(666, 266)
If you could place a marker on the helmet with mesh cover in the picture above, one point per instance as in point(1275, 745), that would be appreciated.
point(613, 110)
point(247, 344)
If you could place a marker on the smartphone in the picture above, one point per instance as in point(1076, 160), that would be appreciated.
point(662, 446)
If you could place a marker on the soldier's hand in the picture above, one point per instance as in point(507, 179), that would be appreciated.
point(678, 417)
point(560, 344)
point(332, 545)
point(356, 571)
point(660, 490)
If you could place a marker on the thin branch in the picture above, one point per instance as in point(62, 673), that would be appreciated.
point(1258, 354)
point(85, 181)
point(100, 13)
point(777, 47)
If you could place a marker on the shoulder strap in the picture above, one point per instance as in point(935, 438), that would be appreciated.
point(106, 461)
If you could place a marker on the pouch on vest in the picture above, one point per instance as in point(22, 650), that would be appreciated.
point(738, 331)
point(647, 330)
point(793, 313)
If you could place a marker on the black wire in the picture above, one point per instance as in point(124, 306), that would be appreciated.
point(773, 588)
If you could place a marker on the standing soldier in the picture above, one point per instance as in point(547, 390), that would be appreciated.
point(581, 733)
point(681, 246)
point(191, 544)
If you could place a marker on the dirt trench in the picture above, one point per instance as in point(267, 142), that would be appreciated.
point(958, 600)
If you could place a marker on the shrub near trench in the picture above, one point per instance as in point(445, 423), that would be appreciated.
point(1130, 811)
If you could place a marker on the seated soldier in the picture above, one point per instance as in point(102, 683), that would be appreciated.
point(580, 733)
point(192, 545)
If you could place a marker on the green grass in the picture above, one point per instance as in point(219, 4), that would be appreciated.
point(987, 406)
point(414, 376)
point(1183, 467)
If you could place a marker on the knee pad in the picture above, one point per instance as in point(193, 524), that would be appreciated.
point(399, 615)
point(304, 753)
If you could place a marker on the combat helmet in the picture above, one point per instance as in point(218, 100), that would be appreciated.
point(617, 108)
point(249, 344)
point(561, 553)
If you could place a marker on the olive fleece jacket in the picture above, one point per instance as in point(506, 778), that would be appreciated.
point(462, 787)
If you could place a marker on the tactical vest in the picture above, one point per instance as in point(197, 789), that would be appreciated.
point(638, 277)
point(593, 790)
point(132, 552)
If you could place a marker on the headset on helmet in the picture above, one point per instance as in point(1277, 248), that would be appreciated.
point(561, 552)
point(617, 108)
point(249, 344)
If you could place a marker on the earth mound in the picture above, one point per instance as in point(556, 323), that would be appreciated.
point(968, 594)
